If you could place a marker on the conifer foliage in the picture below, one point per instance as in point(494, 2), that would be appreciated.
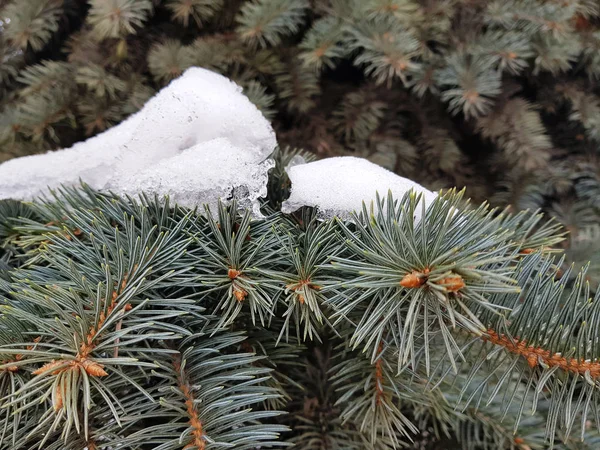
point(491, 95)
point(137, 324)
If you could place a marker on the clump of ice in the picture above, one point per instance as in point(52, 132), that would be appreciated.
point(205, 173)
point(198, 131)
point(200, 140)
point(93, 161)
point(338, 186)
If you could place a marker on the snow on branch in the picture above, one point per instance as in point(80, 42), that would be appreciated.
point(200, 140)
point(338, 186)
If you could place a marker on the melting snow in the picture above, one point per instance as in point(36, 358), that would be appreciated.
point(338, 186)
point(200, 140)
point(197, 132)
point(203, 174)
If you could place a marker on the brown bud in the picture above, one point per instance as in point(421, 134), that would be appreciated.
point(239, 293)
point(413, 280)
point(58, 399)
point(93, 368)
point(453, 283)
point(48, 367)
point(121, 50)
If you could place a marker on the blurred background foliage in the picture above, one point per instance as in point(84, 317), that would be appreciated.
point(499, 96)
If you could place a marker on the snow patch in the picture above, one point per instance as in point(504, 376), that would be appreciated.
point(198, 131)
point(204, 173)
point(338, 186)
point(200, 140)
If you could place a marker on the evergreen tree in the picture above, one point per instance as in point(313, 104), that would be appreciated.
point(138, 324)
point(491, 95)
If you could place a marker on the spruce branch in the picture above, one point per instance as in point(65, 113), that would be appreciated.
point(509, 51)
point(139, 93)
point(534, 17)
point(554, 55)
point(584, 249)
point(591, 44)
point(440, 151)
point(297, 86)
point(303, 279)
point(168, 60)
point(106, 327)
point(585, 108)
point(99, 116)
point(264, 23)
point(40, 116)
point(281, 358)
point(207, 397)
point(321, 46)
point(198, 10)
point(394, 153)
point(469, 84)
point(258, 94)
point(231, 257)
point(11, 211)
point(118, 18)
point(188, 328)
point(358, 115)
point(85, 321)
point(33, 23)
point(385, 48)
point(12, 60)
point(46, 101)
point(517, 128)
point(372, 394)
point(401, 10)
point(48, 76)
point(410, 276)
point(533, 349)
point(483, 427)
point(99, 81)
point(314, 416)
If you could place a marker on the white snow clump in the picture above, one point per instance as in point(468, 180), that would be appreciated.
point(199, 139)
point(338, 186)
